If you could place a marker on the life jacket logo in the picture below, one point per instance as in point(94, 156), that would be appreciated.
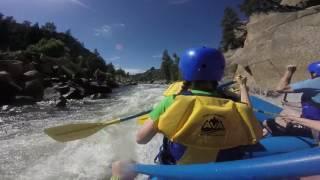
point(213, 127)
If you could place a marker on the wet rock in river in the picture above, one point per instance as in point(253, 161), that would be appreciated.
point(31, 75)
point(51, 94)
point(74, 93)
point(24, 100)
point(34, 88)
point(62, 102)
point(9, 88)
point(63, 89)
point(13, 67)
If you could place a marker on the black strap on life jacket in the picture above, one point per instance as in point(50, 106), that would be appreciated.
point(164, 156)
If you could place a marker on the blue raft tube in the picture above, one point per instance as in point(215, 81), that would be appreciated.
point(294, 164)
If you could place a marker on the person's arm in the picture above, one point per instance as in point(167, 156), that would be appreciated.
point(303, 121)
point(244, 95)
point(146, 132)
point(123, 170)
point(283, 86)
point(149, 129)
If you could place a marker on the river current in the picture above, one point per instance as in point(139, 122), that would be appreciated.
point(27, 153)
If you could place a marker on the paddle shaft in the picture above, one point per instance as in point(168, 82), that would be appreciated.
point(72, 132)
point(131, 117)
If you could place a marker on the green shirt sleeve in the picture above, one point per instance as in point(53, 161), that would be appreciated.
point(161, 107)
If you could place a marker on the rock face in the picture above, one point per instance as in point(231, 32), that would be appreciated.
point(292, 2)
point(300, 3)
point(275, 40)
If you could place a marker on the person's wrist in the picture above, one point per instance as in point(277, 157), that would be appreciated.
point(288, 72)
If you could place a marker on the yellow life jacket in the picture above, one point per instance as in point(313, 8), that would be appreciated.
point(208, 124)
point(173, 89)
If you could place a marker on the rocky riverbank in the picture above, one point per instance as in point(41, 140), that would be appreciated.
point(40, 63)
point(46, 78)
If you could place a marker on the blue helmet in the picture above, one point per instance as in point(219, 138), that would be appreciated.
point(202, 64)
point(314, 68)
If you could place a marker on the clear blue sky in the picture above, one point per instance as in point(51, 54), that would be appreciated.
point(131, 34)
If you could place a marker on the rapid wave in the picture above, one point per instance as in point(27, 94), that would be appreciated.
point(27, 153)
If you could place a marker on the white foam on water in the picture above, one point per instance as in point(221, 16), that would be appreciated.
point(27, 153)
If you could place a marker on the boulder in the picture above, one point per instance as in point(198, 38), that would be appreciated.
point(13, 67)
point(50, 94)
point(34, 88)
point(8, 87)
point(74, 93)
point(62, 102)
point(31, 75)
point(45, 68)
point(99, 96)
point(275, 40)
point(28, 67)
point(112, 84)
point(24, 100)
point(63, 89)
point(81, 81)
point(100, 76)
point(94, 88)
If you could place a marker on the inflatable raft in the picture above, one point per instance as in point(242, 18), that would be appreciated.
point(274, 157)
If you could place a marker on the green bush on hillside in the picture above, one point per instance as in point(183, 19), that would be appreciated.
point(51, 47)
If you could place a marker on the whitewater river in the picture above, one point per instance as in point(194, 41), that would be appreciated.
point(27, 153)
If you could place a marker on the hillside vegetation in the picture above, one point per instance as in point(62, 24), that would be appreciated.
point(34, 59)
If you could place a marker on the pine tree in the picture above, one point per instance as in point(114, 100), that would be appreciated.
point(49, 26)
point(166, 66)
point(111, 69)
point(175, 74)
point(27, 24)
point(230, 23)
point(96, 52)
point(68, 33)
point(312, 3)
point(248, 7)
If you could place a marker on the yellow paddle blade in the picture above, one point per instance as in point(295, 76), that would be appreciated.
point(173, 89)
point(142, 119)
point(72, 132)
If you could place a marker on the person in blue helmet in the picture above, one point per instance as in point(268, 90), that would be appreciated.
point(310, 102)
point(200, 124)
